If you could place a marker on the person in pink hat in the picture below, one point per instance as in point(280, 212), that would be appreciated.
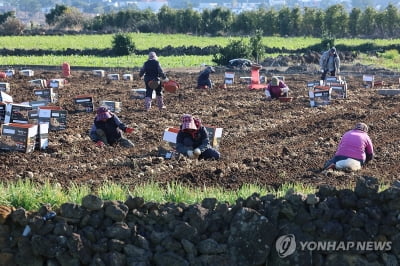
point(193, 141)
point(107, 129)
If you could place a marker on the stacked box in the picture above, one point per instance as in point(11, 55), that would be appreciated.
point(27, 72)
point(319, 95)
point(5, 86)
point(114, 107)
point(54, 116)
point(18, 137)
point(46, 94)
point(99, 73)
point(17, 113)
point(4, 97)
point(84, 103)
point(338, 86)
point(41, 83)
point(113, 76)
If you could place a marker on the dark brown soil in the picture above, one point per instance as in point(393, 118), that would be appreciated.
point(267, 143)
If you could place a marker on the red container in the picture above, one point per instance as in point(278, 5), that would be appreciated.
point(171, 86)
point(66, 68)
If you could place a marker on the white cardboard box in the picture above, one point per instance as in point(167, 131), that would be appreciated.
point(41, 83)
point(127, 77)
point(10, 72)
point(18, 137)
point(27, 72)
point(84, 103)
point(229, 78)
point(4, 97)
point(45, 94)
point(5, 86)
point(113, 76)
point(53, 116)
point(99, 73)
point(17, 113)
point(57, 83)
point(113, 106)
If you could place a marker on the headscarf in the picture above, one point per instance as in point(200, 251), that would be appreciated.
point(274, 81)
point(152, 55)
point(362, 127)
point(103, 113)
point(188, 122)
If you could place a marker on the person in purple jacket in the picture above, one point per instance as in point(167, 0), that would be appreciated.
point(355, 144)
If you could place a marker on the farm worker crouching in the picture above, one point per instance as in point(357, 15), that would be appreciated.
point(193, 141)
point(107, 129)
point(329, 62)
point(204, 81)
point(151, 73)
point(276, 88)
point(355, 150)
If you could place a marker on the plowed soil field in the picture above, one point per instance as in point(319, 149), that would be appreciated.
point(266, 143)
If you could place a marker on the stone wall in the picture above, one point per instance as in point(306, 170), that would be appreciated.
point(248, 232)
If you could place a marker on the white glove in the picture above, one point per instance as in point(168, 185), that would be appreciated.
point(190, 154)
point(197, 152)
point(285, 90)
point(166, 80)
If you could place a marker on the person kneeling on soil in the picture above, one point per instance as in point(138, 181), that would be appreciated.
point(204, 81)
point(355, 150)
point(276, 88)
point(107, 129)
point(193, 141)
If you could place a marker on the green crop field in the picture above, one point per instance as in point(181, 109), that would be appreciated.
point(150, 40)
point(112, 62)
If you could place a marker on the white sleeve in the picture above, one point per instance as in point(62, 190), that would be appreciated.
point(267, 93)
point(285, 89)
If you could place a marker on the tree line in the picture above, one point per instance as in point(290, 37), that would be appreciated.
point(334, 22)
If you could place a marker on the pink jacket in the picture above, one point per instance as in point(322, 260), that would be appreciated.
point(355, 144)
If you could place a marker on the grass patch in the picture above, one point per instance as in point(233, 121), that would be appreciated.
point(31, 195)
point(388, 60)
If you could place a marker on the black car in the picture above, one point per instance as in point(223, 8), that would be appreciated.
point(241, 63)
